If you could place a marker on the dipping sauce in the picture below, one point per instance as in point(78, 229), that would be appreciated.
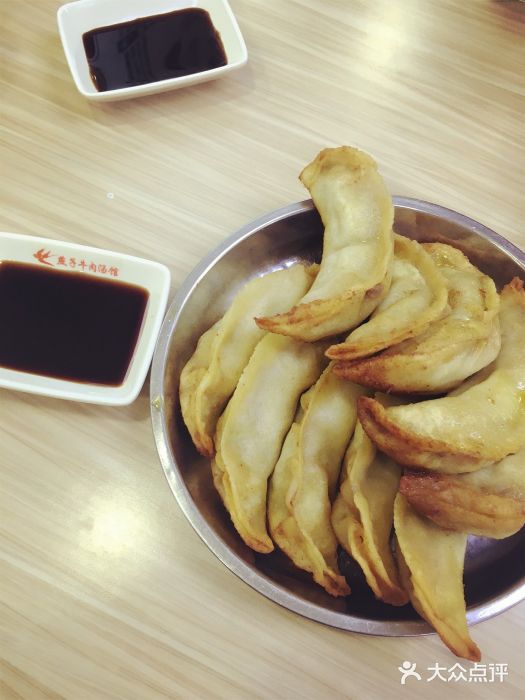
point(154, 48)
point(68, 325)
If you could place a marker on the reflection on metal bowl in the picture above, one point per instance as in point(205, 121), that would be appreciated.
point(494, 570)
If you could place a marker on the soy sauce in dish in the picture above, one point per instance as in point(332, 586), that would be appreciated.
point(150, 49)
point(68, 325)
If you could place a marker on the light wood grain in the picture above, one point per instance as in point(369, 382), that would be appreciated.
point(105, 590)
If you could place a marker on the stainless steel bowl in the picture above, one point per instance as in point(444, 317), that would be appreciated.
point(494, 570)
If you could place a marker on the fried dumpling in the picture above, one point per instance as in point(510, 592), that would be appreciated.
point(417, 296)
point(251, 431)
point(304, 481)
point(211, 374)
point(197, 417)
point(363, 514)
point(452, 348)
point(512, 355)
point(453, 434)
point(431, 562)
point(489, 502)
point(468, 429)
point(354, 276)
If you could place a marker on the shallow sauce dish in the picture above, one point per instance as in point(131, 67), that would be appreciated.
point(78, 18)
point(87, 265)
point(494, 569)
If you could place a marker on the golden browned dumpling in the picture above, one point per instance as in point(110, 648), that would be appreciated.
point(354, 276)
point(452, 348)
point(211, 374)
point(431, 562)
point(417, 296)
point(303, 484)
point(452, 434)
point(512, 355)
point(470, 428)
point(489, 502)
point(363, 515)
point(251, 431)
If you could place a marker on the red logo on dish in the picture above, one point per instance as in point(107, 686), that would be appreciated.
point(42, 256)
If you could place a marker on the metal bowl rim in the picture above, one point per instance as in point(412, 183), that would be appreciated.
point(225, 554)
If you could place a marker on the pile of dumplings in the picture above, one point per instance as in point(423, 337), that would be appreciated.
point(375, 402)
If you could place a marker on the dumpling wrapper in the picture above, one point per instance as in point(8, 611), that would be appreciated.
point(470, 428)
point(452, 348)
point(304, 481)
point(363, 514)
point(251, 431)
point(357, 212)
point(417, 297)
point(431, 562)
point(512, 316)
point(211, 374)
point(489, 502)
point(452, 434)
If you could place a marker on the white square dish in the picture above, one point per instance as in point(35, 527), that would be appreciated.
point(77, 18)
point(100, 269)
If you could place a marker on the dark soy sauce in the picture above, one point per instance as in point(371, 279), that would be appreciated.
point(68, 325)
point(154, 48)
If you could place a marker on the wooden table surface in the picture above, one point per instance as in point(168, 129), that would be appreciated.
point(105, 589)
